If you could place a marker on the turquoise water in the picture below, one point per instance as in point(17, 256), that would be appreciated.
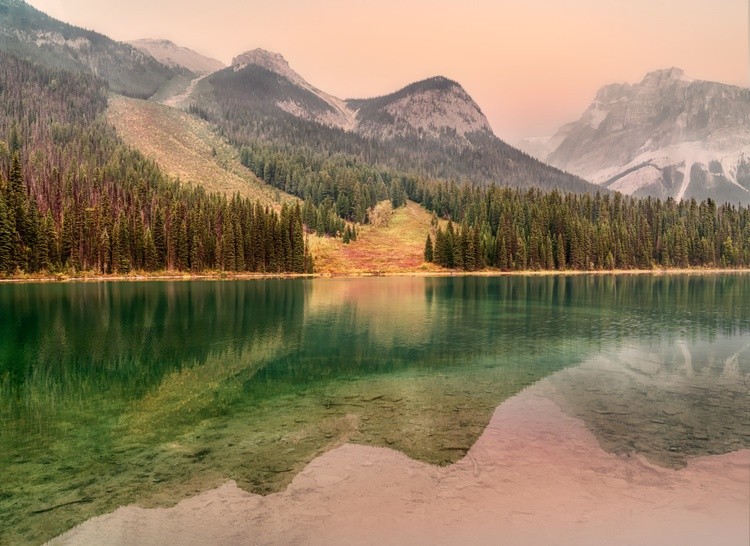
point(113, 393)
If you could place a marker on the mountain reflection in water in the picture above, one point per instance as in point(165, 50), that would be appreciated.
point(114, 393)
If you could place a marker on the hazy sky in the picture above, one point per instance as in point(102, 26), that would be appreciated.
point(532, 65)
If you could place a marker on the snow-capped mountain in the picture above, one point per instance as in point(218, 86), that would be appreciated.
point(666, 136)
point(171, 54)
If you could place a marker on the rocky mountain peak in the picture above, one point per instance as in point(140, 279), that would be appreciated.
point(435, 107)
point(157, 42)
point(171, 54)
point(665, 76)
point(33, 35)
point(275, 62)
point(666, 136)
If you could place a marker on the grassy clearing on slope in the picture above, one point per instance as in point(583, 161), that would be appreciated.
point(187, 148)
point(397, 248)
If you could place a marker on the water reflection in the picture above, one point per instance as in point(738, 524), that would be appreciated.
point(669, 402)
point(146, 392)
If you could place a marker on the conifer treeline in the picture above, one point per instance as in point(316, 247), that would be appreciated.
point(340, 186)
point(188, 231)
point(517, 230)
point(73, 197)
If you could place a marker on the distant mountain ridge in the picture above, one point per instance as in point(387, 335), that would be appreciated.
point(170, 54)
point(34, 36)
point(294, 95)
point(432, 107)
point(666, 136)
point(432, 126)
point(436, 107)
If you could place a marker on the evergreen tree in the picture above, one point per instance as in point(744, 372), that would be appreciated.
point(53, 243)
point(503, 253)
point(105, 252)
point(449, 246)
point(520, 261)
point(479, 261)
point(728, 253)
point(439, 256)
point(160, 241)
point(549, 254)
point(286, 239)
point(428, 251)
point(7, 236)
point(469, 253)
point(310, 264)
point(151, 256)
point(298, 242)
point(228, 246)
point(16, 199)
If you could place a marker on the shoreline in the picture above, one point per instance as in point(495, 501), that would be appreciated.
point(222, 276)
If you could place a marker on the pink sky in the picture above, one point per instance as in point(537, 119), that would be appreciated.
point(531, 65)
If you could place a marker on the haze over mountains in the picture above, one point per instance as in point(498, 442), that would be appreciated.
point(32, 35)
point(434, 108)
point(432, 127)
point(255, 156)
point(666, 136)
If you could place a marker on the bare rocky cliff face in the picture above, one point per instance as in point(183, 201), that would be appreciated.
point(666, 136)
point(434, 108)
point(291, 92)
point(170, 54)
point(432, 127)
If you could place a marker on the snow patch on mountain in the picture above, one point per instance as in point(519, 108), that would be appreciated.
point(632, 182)
point(695, 133)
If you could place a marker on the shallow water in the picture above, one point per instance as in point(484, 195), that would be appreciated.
point(113, 393)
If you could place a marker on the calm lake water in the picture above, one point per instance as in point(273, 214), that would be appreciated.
point(114, 393)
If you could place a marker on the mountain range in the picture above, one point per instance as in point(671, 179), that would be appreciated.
point(170, 54)
point(29, 34)
point(150, 157)
point(435, 108)
point(432, 127)
point(666, 136)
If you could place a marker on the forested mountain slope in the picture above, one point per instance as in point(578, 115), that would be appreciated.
point(431, 128)
point(32, 35)
point(187, 148)
point(76, 198)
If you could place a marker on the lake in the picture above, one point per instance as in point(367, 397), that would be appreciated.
point(113, 393)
